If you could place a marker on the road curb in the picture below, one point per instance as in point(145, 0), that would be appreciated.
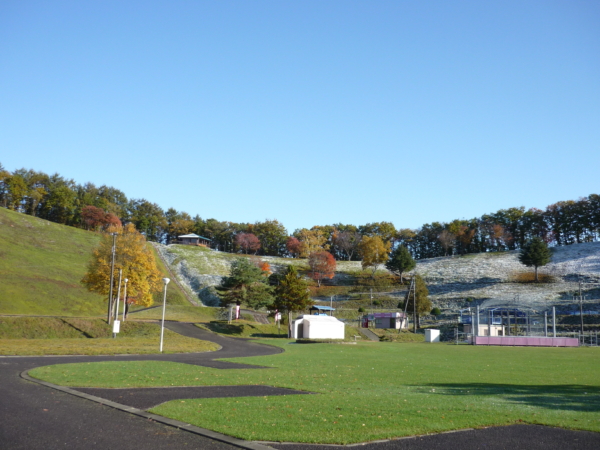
point(146, 415)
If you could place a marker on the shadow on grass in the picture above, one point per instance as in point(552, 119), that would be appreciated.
point(568, 397)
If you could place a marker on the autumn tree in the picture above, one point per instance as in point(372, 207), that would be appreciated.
point(294, 246)
point(95, 218)
point(291, 295)
point(385, 230)
point(311, 241)
point(322, 265)
point(133, 257)
point(401, 261)
point(421, 293)
point(374, 252)
point(535, 253)
point(248, 242)
point(447, 240)
point(347, 242)
point(247, 284)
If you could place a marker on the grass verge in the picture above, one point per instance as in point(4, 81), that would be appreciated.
point(82, 336)
point(372, 391)
point(179, 313)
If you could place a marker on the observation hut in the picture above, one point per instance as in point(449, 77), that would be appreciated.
point(193, 239)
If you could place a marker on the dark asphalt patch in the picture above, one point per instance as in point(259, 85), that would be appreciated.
point(146, 398)
point(513, 437)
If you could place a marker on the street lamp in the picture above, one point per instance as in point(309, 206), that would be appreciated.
point(162, 327)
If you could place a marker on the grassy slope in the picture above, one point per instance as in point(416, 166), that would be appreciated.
point(41, 265)
point(86, 336)
point(373, 391)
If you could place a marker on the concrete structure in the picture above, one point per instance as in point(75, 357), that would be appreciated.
point(396, 320)
point(432, 335)
point(317, 327)
point(487, 330)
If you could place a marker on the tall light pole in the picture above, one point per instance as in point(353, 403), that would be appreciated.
point(125, 298)
point(112, 271)
point(117, 305)
point(162, 326)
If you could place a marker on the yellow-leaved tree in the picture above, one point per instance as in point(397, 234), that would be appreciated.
point(374, 252)
point(133, 256)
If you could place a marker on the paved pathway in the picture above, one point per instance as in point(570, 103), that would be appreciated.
point(33, 416)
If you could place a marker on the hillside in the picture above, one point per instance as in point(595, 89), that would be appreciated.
point(487, 278)
point(41, 265)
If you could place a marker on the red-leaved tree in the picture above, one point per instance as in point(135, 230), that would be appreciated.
point(294, 246)
point(322, 265)
point(95, 218)
point(248, 242)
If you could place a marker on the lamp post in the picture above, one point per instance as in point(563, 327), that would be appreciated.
point(162, 327)
point(125, 298)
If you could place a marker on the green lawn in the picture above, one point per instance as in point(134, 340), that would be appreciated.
point(373, 391)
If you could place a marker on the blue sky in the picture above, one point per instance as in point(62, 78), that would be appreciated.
point(309, 112)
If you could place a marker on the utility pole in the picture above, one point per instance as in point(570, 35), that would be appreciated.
point(112, 270)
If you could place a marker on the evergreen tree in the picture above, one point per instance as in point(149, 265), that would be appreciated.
point(400, 261)
point(291, 295)
point(535, 253)
point(247, 284)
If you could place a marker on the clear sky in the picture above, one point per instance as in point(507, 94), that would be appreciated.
point(309, 112)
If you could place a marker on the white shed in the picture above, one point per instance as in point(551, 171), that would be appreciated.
point(317, 327)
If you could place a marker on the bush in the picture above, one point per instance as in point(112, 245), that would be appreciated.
point(529, 277)
point(361, 310)
point(436, 311)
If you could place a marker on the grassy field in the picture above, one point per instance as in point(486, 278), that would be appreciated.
point(41, 265)
point(373, 391)
point(83, 336)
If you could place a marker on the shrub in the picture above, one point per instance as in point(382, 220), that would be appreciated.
point(436, 311)
point(529, 277)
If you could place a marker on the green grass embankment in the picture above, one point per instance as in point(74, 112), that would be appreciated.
point(84, 336)
point(42, 264)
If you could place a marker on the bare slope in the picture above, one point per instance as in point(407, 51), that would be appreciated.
point(487, 277)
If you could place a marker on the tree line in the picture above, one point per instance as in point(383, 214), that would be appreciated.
point(62, 200)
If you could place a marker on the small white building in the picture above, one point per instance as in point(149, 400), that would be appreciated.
point(317, 327)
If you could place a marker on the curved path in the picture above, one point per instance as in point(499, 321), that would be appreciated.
point(32, 416)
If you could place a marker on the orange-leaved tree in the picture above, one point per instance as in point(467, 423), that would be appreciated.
point(133, 257)
point(322, 265)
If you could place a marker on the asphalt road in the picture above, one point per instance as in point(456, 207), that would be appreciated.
point(33, 416)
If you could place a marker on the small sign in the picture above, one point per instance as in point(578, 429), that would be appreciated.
point(116, 326)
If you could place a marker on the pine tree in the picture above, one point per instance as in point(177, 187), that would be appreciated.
point(291, 295)
point(247, 284)
point(400, 261)
point(535, 253)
